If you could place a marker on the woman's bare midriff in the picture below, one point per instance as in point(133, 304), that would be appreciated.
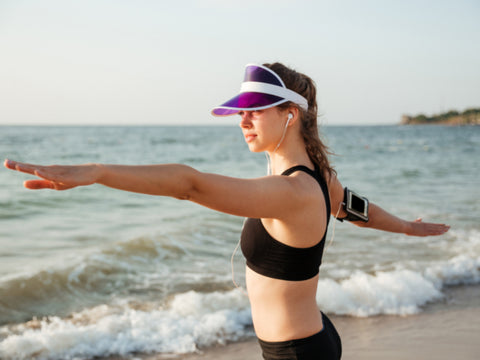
point(283, 310)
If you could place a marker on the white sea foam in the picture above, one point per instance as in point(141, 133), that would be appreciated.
point(193, 320)
point(399, 292)
point(460, 270)
point(463, 268)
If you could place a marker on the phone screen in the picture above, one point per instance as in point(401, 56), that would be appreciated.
point(358, 204)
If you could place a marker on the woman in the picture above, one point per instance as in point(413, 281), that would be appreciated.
point(287, 211)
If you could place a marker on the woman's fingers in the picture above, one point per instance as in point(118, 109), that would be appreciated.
point(9, 164)
point(36, 170)
point(58, 177)
point(430, 229)
point(46, 184)
point(22, 167)
point(39, 184)
point(420, 228)
point(440, 229)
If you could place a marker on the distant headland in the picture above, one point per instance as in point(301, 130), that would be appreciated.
point(453, 117)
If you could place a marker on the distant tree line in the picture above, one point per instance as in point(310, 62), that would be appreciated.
point(452, 117)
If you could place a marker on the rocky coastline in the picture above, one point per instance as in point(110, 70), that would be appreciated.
point(468, 117)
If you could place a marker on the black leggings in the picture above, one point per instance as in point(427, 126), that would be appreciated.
point(324, 345)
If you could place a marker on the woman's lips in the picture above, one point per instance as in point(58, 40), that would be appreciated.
point(250, 137)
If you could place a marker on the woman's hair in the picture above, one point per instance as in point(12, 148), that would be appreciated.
point(304, 85)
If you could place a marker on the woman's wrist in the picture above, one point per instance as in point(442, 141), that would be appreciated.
point(409, 227)
point(99, 171)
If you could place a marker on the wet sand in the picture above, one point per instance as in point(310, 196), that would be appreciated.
point(449, 329)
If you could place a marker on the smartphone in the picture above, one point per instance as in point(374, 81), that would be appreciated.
point(356, 205)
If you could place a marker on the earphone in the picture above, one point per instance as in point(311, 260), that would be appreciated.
point(289, 117)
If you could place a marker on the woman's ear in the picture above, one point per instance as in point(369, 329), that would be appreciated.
point(292, 115)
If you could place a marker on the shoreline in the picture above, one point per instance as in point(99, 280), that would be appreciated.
point(468, 117)
point(443, 330)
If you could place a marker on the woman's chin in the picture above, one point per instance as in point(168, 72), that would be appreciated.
point(255, 149)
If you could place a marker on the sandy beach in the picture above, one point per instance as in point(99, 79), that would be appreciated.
point(449, 329)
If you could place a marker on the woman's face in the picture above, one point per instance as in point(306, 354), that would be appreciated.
point(263, 129)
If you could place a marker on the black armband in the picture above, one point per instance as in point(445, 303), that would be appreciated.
point(356, 207)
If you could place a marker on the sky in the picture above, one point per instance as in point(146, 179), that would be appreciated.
point(147, 62)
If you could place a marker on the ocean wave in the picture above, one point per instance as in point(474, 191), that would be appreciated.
point(183, 321)
point(85, 281)
point(142, 267)
point(191, 321)
point(186, 322)
point(397, 292)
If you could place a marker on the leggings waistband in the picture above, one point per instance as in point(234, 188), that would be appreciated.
point(325, 344)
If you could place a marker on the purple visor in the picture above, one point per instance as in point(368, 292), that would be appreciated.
point(261, 89)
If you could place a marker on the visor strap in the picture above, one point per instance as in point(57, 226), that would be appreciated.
point(260, 87)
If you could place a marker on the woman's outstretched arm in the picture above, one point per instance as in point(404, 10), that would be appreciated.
point(261, 197)
point(381, 219)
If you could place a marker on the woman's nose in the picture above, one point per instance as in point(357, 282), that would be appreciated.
point(245, 121)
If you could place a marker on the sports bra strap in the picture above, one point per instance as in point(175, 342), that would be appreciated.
point(317, 176)
point(299, 168)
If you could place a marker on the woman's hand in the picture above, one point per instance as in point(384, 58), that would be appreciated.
point(383, 220)
point(56, 177)
point(420, 228)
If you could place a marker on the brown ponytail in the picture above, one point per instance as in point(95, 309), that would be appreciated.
point(317, 151)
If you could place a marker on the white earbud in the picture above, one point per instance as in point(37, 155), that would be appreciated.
point(290, 116)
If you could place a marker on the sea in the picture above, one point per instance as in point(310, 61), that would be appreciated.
point(95, 272)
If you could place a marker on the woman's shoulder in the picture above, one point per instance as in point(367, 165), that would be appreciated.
point(335, 190)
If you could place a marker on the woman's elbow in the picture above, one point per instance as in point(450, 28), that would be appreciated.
point(363, 224)
point(181, 183)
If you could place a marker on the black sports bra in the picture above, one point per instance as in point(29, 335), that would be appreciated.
point(268, 256)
